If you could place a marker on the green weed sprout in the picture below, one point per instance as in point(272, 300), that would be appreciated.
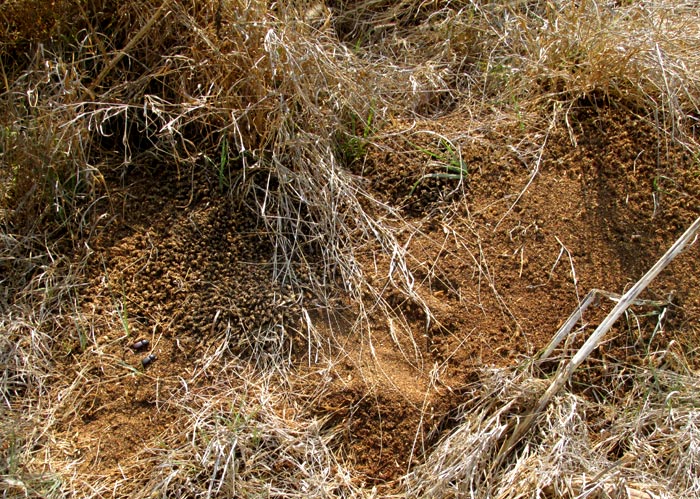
point(448, 156)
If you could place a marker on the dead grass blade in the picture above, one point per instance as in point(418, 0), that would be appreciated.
point(245, 437)
point(638, 443)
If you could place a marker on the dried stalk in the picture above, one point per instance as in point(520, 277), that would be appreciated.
point(627, 299)
point(592, 297)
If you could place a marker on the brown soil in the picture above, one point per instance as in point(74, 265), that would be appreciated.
point(500, 260)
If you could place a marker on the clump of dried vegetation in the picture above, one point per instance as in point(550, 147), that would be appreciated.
point(279, 99)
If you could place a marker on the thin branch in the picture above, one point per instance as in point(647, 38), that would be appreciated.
point(627, 299)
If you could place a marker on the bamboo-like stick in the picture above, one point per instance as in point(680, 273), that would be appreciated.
point(120, 55)
point(577, 315)
point(563, 375)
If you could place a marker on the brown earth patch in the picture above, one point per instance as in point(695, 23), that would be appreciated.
point(183, 268)
point(501, 258)
point(506, 263)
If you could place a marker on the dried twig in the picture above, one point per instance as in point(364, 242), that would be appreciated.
point(592, 297)
point(132, 42)
point(564, 374)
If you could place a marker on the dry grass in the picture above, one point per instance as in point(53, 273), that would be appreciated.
point(642, 441)
point(247, 438)
point(244, 435)
point(37, 324)
point(275, 100)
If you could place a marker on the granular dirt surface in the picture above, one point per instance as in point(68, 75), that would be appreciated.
point(501, 257)
point(182, 268)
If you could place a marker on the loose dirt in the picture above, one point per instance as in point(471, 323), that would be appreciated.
point(501, 257)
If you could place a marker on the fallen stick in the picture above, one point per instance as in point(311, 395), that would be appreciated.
point(577, 315)
point(563, 375)
point(123, 52)
point(569, 324)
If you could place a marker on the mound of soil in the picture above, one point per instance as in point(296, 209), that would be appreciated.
point(182, 267)
point(501, 257)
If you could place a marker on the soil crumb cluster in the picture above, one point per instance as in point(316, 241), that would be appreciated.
point(501, 259)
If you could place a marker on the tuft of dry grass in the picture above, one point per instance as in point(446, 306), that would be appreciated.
point(245, 437)
point(641, 442)
point(36, 324)
point(515, 54)
point(256, 88)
